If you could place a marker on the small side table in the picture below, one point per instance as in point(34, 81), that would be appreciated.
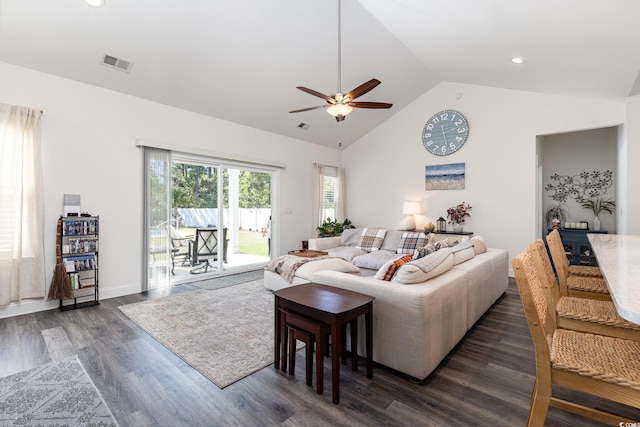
point(332, 306)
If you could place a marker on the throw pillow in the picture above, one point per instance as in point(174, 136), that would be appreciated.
point(388, 270)
point(371, 239)
point(427, 249)
point(444, 243)
point(414, 272)
point(410, 241)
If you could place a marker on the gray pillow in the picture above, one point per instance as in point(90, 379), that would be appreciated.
point(350, 237)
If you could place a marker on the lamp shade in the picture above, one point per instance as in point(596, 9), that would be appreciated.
point(410, 208)
point(339, 109)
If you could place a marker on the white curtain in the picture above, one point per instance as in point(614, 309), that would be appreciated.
point(341, 196)
point(22, 272)
point(317, 203)
point(157, 218)
point(319, 208)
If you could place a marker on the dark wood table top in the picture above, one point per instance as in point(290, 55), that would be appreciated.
point(324, 298)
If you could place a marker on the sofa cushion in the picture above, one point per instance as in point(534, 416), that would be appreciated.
point(425, 268)
point(371, 239)
point(463, 255)
point(410, 241)
point(391, 240)
point(307, 270)
point(387, 271)
point(350, 237)
point(452, 238)
point(373, 260)
point(346, 252)
point(478, 244)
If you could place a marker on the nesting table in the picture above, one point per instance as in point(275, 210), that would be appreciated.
point(334, 307)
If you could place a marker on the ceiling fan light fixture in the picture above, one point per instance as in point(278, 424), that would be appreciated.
point(339, 109)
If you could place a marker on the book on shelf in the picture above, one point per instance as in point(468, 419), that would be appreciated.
point(74, 227)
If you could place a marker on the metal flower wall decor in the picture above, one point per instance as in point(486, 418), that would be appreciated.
point(581, 187)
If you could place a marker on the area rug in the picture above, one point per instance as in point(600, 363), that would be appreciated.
point(56, 394)
point(225, 334)
point(230, 280)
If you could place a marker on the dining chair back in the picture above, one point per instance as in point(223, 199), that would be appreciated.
point(580, 314)
point(574, 285)
point(606, 367)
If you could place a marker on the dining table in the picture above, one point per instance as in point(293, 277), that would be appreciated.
point(618, 256)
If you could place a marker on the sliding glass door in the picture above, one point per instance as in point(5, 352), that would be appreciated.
point(188, 197)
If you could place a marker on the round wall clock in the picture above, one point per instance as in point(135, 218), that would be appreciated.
point(445, 132)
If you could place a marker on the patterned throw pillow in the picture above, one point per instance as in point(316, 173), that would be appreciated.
point(410, 241)
point(423, 251)
point(371, 239)
point(444, 243)
point(387, 271)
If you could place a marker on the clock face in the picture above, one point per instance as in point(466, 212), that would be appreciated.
point(445, 132)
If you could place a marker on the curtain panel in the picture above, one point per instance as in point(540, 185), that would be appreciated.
point(22, 274)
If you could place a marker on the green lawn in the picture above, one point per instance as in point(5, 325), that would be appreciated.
point(251, 242)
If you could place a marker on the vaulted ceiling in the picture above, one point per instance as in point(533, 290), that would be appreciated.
point(241, 60)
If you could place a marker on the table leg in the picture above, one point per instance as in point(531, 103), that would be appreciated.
point(368, 318)
point(336, 352)
point(354, 344)
point(284, 337)
point(321, 350)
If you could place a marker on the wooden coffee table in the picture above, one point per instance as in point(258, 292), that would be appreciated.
point(332, 306)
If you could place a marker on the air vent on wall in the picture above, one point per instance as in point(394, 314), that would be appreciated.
point(117, 63)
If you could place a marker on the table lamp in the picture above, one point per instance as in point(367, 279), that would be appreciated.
point(410, 209)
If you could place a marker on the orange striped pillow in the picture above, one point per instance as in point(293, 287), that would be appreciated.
point(387, 271)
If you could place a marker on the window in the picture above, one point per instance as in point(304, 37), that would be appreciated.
point(328, 195)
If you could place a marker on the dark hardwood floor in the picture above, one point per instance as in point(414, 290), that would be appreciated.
point(485, 381)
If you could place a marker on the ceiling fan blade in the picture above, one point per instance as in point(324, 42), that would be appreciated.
point(363, 88)
point(370, 105)
point(308, 109)
point(316, 93)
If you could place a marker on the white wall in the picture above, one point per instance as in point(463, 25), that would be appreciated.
point(386, 166)
point(88, 137)
point(629, 158)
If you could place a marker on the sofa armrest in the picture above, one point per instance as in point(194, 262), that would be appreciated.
point(323, 243)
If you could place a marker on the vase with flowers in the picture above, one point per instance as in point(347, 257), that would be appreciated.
point(598, 205)
point(457, 215)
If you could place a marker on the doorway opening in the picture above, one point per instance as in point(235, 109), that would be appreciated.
point(236, 200)
point(204, 217)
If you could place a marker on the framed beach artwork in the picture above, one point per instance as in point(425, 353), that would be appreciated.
point(444, 177)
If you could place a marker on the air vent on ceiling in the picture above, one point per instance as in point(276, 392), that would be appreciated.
point(304, 126)
point(117, 63)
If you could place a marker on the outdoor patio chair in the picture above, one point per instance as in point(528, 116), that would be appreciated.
point(204, 250)
point(180, 248)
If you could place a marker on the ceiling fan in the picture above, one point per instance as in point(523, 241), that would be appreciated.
point(340, 104)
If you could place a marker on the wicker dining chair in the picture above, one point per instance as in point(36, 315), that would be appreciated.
point(571, 285)
point(576, 270)
point(594, 364)
point(580, 314)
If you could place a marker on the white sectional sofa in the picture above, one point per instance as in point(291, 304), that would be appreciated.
point(415, 322)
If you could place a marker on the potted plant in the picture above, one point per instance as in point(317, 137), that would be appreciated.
point(331, 227)
point(598, 205)
point(559, 212)
point(457, 215)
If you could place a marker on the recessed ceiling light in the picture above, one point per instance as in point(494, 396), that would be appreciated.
point(517, 60)
point(95, 3)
